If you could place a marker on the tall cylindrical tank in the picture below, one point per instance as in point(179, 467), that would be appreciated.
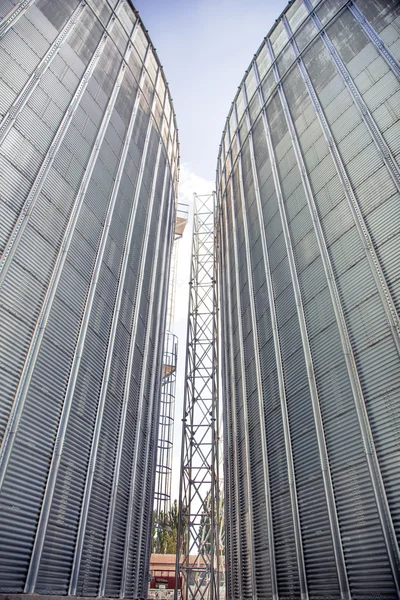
point(308, 182)
point(88, 175)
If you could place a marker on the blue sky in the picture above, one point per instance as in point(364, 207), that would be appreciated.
point(205, 46)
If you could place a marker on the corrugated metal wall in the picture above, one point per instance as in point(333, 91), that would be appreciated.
point(308, 180)
point(88, 174)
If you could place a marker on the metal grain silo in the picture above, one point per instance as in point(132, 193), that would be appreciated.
point(308, 181)
point(88, 174)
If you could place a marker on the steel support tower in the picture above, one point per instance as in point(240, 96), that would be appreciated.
point(198, 552)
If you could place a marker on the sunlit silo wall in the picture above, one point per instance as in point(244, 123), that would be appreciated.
point(88, 172)
point(308, 180)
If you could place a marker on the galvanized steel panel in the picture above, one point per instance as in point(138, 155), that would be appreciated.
point(333, 177)
point(48, 277)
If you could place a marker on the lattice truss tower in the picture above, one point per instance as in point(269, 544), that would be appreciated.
point(199, 550)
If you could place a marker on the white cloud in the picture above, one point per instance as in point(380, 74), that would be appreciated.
point(190, 183)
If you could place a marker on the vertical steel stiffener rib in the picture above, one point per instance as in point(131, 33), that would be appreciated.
point(10, 117)
point(348, 353)
point(334, 521)
point(198, 553)
point(368, 119)
point(323, 455)
point(250, 512)
point(16, 411)
point(104, 391)
point(328, 224)
point(16, 13)
point(48, 160)
point(359, 220)
point(375, 39)
point(154, 385)
point(66, 410)
point(225, 274)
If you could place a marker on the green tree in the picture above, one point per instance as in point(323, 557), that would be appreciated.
point(205, 526)
point(165, 531)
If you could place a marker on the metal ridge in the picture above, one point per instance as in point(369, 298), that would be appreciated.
point(145, 31)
